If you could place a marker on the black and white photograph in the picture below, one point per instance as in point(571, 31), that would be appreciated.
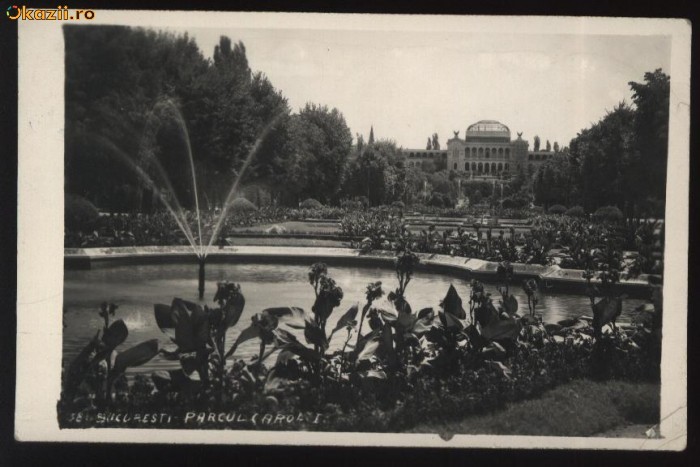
point(440, 231)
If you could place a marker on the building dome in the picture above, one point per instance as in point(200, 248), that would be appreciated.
point(488, 130)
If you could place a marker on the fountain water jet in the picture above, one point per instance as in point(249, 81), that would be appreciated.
point(200, 247)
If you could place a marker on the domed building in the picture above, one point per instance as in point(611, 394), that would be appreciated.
point(486, 152)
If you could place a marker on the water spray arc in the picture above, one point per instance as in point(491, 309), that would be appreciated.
point(153, 176)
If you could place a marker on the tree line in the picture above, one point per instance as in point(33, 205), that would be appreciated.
point(619, 160)
point(130, 92)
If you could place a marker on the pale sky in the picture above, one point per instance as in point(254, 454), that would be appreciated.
point(409, 85)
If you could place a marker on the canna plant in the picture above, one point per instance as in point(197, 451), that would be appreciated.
point(199, 335)
point(493, 324)
point(504, 272)
point(530, 289)
point(607, 261)
point(99, 364)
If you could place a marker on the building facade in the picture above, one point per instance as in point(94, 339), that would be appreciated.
point(486, 152)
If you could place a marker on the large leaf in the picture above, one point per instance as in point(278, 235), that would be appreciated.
point(314, 335)
point(233, 309)
point(510, 304)
point(605, 311)
point(297, 348)
point(284, 356)
point(189, 362)
point(251, 332)
point(388, 316)
point(115, 334)
point(425, 312)
point(135, 356)
point(452, 303)
point(493, 351)
point(191, 325)
point(486, 314)
point(405, 317)
point(292, 316)
point(369, 349)
point(324, 304)
point(348, 319)
point(450, 321)
point(285, 312)
point(163, 315)
point(76, 370)
point(502, 329)
point(285, 337)
point(423, 322)
point(376, 374)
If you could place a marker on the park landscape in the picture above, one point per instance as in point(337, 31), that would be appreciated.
point(228, 256)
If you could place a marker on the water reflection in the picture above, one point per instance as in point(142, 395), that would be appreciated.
point(136, 288)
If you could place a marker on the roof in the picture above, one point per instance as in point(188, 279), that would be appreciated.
point(488, 126)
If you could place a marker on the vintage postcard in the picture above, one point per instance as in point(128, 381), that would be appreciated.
point(271, 228)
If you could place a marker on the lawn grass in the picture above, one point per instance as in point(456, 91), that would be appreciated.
point(579, 408)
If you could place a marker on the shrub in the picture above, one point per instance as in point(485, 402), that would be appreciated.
point(610, 214)
point(80, 214)
point(575, 211)
point(398, 205)
point(556, 209)
point(436, 200)
point(515, 202)
point(310, 203)
point(242, 205)
point(351, 204)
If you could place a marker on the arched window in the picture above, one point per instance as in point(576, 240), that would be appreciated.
point(474, 166)
point(508, 153)
point(455, 166)
point(493, 168)
point(500, 167)
point(529, 157)
point(481, 151)
point(486, 168)
point(466, 166)
point(474, 152)
point(506, 167)
point(481, 167)
point(500, 151)
point(493, 151)
point(488, 153)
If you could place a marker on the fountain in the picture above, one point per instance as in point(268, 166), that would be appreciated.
point(152, 174)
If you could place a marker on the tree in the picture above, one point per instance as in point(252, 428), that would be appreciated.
point(603, 154)
point(436, 143)
point(135, 95)
point(377, 173)
point(429, 145)
point(536, 143)
point(371, 135)
point(320, 143)
point(556, 147)
point(360, 143)
point(651, 99)
point(548, 147)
